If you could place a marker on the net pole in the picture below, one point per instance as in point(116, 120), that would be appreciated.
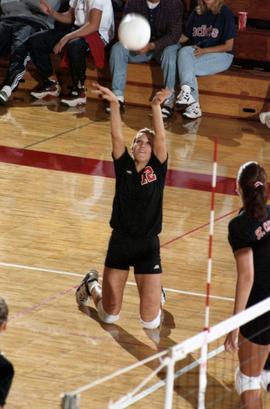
point(204, 348)
point(168, 401)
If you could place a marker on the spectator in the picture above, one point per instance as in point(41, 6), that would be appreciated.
point(6, 368)
point(165, 18)
point(92, 30)
point(211, 30)
point(19, 20)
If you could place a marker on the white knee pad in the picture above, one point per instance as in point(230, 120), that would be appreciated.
point(152, 324)
point(104, 317)
point(246, 383)
point(265, 380)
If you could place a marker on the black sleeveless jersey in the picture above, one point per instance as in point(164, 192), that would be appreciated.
point(246, 232)
point(137, 205)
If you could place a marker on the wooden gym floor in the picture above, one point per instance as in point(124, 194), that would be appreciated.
point(56, 195)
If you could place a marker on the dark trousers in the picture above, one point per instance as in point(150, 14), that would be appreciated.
point(14, 34)
point(41, 46)
point(6, 376)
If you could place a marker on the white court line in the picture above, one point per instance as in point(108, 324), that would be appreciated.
point(68, 273)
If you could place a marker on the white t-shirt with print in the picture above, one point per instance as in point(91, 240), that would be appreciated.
point(82, 9)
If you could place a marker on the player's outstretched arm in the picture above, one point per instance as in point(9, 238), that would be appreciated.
point(118, 143)
point(159, 144)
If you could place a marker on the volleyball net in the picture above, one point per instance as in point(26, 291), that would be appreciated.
point(197, 373)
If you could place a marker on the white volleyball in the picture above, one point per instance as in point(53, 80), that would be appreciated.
point(134, 32)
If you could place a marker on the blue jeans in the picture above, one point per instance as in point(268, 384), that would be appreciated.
point(189, 67)
point(120, 57)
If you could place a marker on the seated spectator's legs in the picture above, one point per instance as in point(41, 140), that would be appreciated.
point(189, 67)
point(6, 376)
point(167, 58)
point(77, 51)
point(5, 36)
point(19, 54)
point(41, 46)
point(119, 59)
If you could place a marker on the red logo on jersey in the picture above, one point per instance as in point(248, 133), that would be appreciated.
point(148, 175)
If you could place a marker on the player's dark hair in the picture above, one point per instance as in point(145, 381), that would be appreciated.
point(252, 181)
point(3, 311)
point(145, 131)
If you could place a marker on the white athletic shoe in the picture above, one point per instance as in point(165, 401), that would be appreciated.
point(163, 296)
point(263, 116)
point(184, 98)
point(167, 107)
point(267, 120)
point(5, 93)
point(193, 111)
point(83, 292)
point(50, 89)
point(76, 97)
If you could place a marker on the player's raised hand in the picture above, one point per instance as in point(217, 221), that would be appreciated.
point(160, 96)
point(104, 93)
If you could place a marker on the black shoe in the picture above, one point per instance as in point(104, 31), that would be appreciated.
point(76, 97)
point(51, 88)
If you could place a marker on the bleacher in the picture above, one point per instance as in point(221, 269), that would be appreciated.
point(241, 92)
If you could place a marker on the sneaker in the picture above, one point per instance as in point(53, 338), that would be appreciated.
point(45, 102)
point(265, 380)
point(163, 296)
point(167, 107)
point(267, 120)
point(263, 116)
point(76, 97)
point(184, 98)
point(107, 107)
point(5, 94)
point(51, 88)
point(83, 292)
point(193, 111)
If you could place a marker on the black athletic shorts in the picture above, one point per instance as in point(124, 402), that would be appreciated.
point(257, 330)
point(141, 253)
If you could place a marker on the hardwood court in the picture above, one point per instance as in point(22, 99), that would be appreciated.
point(56, 195)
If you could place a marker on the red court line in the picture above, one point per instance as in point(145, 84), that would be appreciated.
point(95, 167)
point(198, 228)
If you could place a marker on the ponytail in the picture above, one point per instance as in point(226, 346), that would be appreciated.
point(252, 180)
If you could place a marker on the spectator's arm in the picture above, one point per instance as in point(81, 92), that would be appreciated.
point(66, 17)
point(221, 48)
point(90, 27)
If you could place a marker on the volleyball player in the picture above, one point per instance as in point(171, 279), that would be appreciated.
point(136, 219)
point(249, 237)
point(6, 368)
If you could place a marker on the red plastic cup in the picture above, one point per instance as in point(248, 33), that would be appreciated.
point(242, 20)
